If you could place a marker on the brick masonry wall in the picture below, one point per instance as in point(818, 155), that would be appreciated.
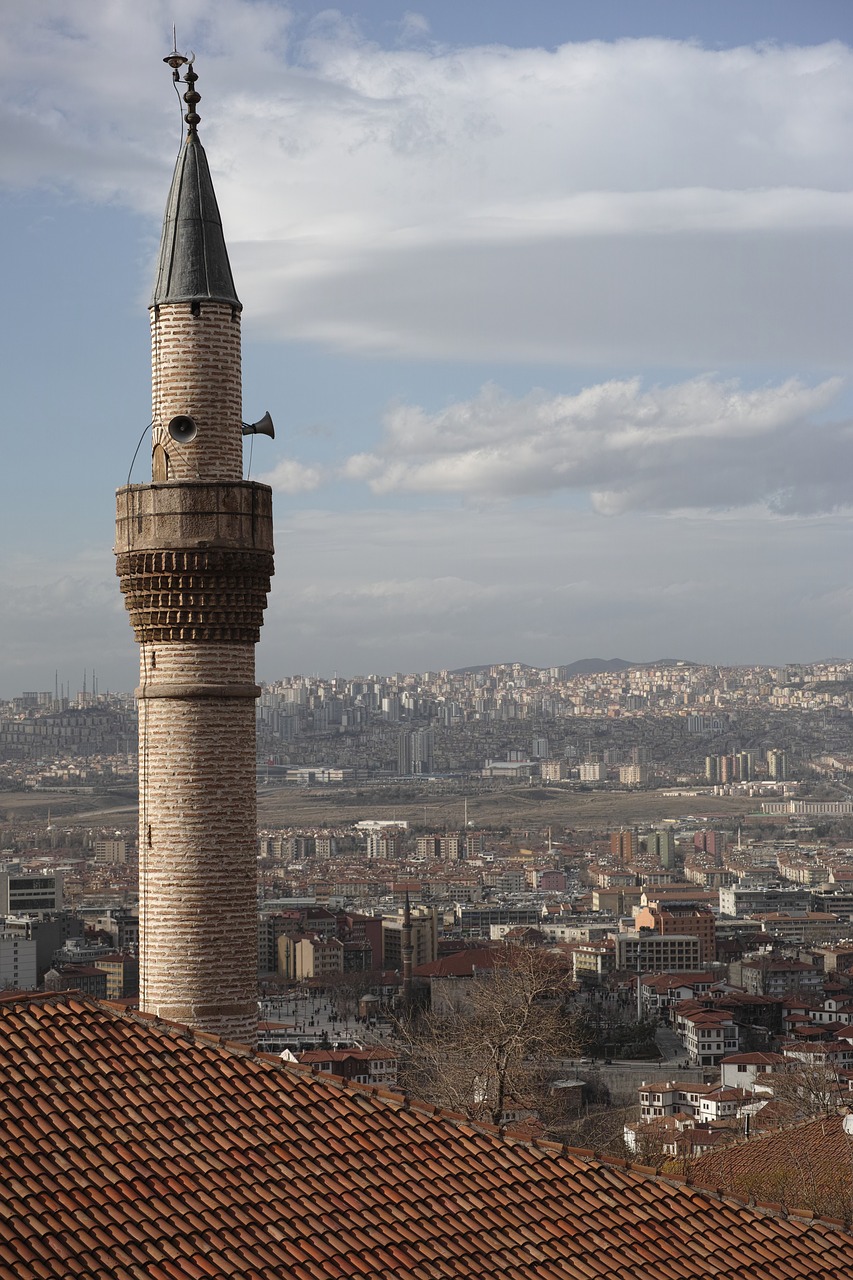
point(196, 370)
point(198, 823)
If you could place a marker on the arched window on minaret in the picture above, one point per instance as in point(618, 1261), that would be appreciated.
point(159, 465)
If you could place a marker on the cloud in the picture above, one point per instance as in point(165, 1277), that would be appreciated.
point(635, 200)
point(63, 614)
point(292, 477)
point(704, 443)
point(370, 591)
point(407, 589)
point(413, 26)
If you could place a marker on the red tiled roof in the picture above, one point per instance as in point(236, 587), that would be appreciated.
point(810, 1166)
point(138, 1151)
point(373, 1052)
point(460, 964)
point(753, 1059)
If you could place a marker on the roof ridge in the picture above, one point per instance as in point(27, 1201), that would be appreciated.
point(402, 1101)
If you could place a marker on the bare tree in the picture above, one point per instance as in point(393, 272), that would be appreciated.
point(490, 1053)
point(809, 1088)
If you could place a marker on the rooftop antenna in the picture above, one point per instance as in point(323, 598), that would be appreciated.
point(177, 60)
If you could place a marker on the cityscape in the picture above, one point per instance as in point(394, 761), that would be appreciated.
point(534, 969)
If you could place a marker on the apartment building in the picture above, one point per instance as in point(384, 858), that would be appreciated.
point(658, 953)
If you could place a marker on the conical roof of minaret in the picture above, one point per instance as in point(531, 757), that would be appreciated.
point(193, 262)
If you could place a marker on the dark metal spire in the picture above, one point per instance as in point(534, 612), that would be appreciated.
point(193, 264)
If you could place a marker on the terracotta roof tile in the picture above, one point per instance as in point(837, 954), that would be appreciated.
point(137, 1149)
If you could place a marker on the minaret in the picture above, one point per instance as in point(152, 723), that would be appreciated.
point(194, 555)
point(407, 950)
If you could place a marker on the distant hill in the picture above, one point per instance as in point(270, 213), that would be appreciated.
point(584, 666)
point(592, 665)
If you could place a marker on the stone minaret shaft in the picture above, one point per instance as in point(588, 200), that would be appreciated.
point(194, 555)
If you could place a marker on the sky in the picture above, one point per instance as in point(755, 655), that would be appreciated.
point(550, 303)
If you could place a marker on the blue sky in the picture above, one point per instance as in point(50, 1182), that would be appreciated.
point(550, 303)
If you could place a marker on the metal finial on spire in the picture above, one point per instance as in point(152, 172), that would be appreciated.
point(177, 60)
point(191, 97)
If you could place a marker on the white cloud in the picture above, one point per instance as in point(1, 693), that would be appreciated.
point(291, 476)
point(413, 26)
point(642, 199)
point(704, 443)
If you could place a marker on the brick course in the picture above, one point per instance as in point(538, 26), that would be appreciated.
point(197, 852)
point(196, 371)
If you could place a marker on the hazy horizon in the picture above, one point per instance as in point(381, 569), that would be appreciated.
point(551, 311)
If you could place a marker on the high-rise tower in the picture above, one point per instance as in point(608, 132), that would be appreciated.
point(194, 555)
point(407, 951)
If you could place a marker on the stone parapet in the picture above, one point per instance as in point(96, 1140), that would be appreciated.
point(195, 560)
point(184, 514)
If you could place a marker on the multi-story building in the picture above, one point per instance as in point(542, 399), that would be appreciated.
point(634, 775)
point(318, 957)
point(30, 894)
point(625, 845)
point(592, 772)
point(424, 925)
point(661, 845)
point(618, 900)
point(658, 953)
point(681, 918)
point(744, 1070)
point(707, 1035)
point(87, 979)
point(593, 962)
point(122, 972)
point(18, 967)
point(415, 752)
point(376, 1065)
point(777, 765)
point(108, 851)
point(712, 842)
point(385, 845)
point(811, 926)
point(123, 928)
point(452, 847)
point(748, 900)
point(49, 932)
point(428, 847)
point(770, 977)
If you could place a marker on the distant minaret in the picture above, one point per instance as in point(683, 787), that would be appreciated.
point(194, 555)
point(407, 951)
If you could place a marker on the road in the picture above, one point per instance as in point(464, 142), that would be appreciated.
point(671, 1048)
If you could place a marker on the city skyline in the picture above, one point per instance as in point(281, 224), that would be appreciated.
point(550, 315)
